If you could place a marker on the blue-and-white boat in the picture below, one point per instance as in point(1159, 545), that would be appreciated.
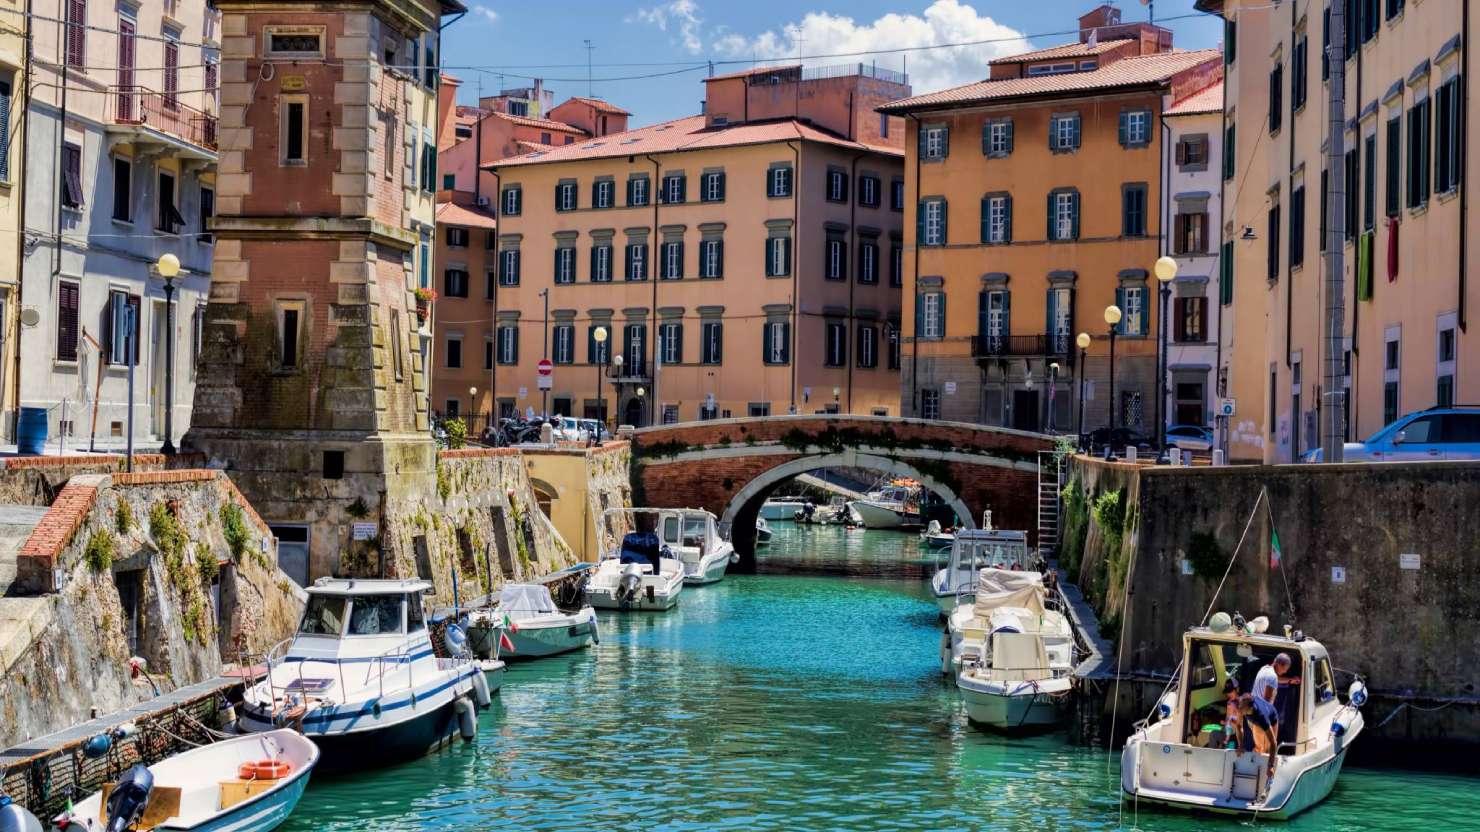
point(246, 784)
point(361, 680)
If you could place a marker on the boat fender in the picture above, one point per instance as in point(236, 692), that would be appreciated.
point(595, 632)
point(456, 640)
point(467, 718)
point(375, 708)
point(97, 746)
point(228, 716)
point(1338, 729)
point(481, 696)
point(15, 818)
point(1357, 693)
point(1165, 706)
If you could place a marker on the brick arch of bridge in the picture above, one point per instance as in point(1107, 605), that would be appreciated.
point(729, 466)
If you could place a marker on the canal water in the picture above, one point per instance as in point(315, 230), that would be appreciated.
point(804, 697)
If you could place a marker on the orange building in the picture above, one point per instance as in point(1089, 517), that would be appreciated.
point(1034, 201)
point(462, 348)
point(752, 252)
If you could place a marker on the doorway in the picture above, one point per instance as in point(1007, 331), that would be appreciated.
point(292, 551)
point(633, 413)
point(1025, 409)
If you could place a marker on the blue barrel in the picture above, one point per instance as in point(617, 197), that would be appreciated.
point(30, 432)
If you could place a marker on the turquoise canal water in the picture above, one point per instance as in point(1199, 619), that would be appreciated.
point(787, 702)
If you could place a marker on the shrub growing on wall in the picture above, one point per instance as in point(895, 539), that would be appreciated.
point(1076, 524)
point(100, 550)
point(457, 433)
point(1207, 558)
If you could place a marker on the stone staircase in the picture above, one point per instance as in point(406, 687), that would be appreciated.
point(1050, 475)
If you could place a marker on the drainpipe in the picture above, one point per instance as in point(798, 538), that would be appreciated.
point(61, 139)
point(477, 154)
point(1163, 352)
point(1220, 383)
point(915, 340)
point(651, 344)
point(796, 263)
point(1464, 118)
point(498, 185)
point(852, 240)
point(1358, 181)
point(20, 282)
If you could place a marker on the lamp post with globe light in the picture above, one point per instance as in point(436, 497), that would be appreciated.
point(168, 267)
point(599, 336)
point(1166, 271)
point(1082, 341)
point(1112, 317)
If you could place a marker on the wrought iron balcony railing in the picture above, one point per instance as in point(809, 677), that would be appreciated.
point(163, 112)
point(1004, 346)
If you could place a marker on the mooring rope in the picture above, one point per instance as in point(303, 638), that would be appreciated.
point(1234, 557)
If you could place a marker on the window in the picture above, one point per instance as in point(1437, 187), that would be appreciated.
point(934, 143)
point(457, 236)
point(598, 352)
point(508, 267)
point(76, 33)
point(778, 181)
point(994, 321)
point(1225, 274)
point(565, 264)
point(1369, 184)
point(1134, 128)
point(896, 195)
point(1230, 40)
point(603, 192)
point(996, 219)
point(490, 280)
point(1063, 133)
point(601, 263)
point(1272, 271)
point(285, 42)
point(1192, 153)
point(1132, 303)
point(123, 189)
point(294, 141)
point(836, 267)
point(896, 264)
point(997, 138)
point(868, 191)
point(711, 342)
point(932, 315)
point(932, 222)
point(929, 403)
point(837, 186)
point(1063, 215)
point(1418, 154)
point(454, 353)
point(712, 258)
point(512, 200)
point(1325, 49)
point(637, 191)
point(1133, 211)
point(1061, 319)
point(868, 261)
point(1192, 320)
point(1230, 149)
point(565, 196)
point(1393, 193)
point(544, 138)
point(758, 409)
point(1353, 192)
point(1448, 136)
point(1299, 73)
point(776, 342)
point(1191, 232)
point(672, 266)
point(1369, 20)
point(396, 360)
point(637, 261)
point(508, 344)
point(891, 340)
point(670, 340)
point(778, 256)
point(1297, 227)
point(455, 283)
point(1276, 100)
point(68, 309)
point(171, 69)
point(675, 185)
point(169, 220)
point(1394, 8)
point(835, 345)
point(72, 176)
point(207, 210)
point(5, 105)
point(712, 186)
point(290, 331)
point(868, 346)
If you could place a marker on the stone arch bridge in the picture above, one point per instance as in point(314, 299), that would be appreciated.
point(730, 466)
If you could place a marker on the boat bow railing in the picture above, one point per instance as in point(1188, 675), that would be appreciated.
point(276, 656)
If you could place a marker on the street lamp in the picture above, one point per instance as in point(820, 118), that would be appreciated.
point(599, 336)
point(1053, 378)
point(1083, 343)
point(1112, 317)
point(168, 267)
point(837, 391)
point(616, 391)
point(641, 392)
point(1166, 271)
point(472, 407)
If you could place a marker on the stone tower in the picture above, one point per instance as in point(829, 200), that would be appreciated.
point(311, 388)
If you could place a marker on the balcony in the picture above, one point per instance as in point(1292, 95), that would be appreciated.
point(988, 347)
point(142, 116)
point(632, 372)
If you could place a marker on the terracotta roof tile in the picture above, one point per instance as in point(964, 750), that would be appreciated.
point(542, 123)
point(1068, 50)
point(601, 106)
point(450, 213)
point(689, 133)
point(1207, 100)
point(1126, 72)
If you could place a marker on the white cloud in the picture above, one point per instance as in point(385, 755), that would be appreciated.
point(682, 15)
point(484, 12)
point(944, 21)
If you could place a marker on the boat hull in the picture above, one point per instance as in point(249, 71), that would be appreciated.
point(1019, 708)
point(880, 516)
point(709, 571)
point(1312, 785)
point(779, 511)
point(540, 640)
point(948, 601)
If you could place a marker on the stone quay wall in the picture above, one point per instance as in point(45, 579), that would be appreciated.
point(1379, 562)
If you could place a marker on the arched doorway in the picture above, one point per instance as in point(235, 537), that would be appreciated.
point(634, 413)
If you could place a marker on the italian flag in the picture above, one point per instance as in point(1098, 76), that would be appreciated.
point(1274, 550)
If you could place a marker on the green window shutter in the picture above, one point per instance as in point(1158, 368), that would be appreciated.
point(678, 347)
point(1006, 312)
point(721, 183)
point(1007, 218)
point(941, 317)
point(681, 261)
point(945, 142)
point(944, 236)
point(1120, 302)
point(1225, 274)
point(518, 263)
point(1123, 129)
point(1077, 124)
point(683, 189)
point(719, 343)
point(920, 223)
point(1051, 309)
point(986, 218)
point(920, 139)
point(719, 258)
point(1009, 135)
point(1050, 233)
point(983, 302)
point(770, 261)
point(786, 255)
point(1074, 212)
point(1145, 312)
point(786, 342)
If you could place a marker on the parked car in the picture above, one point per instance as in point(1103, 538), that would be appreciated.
point(596, 430)
point(569, 429)
point(1118, 439)
point(1190, 437)
point(1436, 433)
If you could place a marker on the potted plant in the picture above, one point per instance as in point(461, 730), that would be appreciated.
point(424, 298)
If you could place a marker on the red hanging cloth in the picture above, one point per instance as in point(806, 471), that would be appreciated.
point(1392, 252)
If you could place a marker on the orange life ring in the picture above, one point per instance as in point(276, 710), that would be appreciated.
point(263, 770)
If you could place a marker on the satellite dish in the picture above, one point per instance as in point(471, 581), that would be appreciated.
point(30, 317)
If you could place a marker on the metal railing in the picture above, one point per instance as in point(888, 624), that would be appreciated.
point(162, 111)
point(995, 346)
point(816, 73)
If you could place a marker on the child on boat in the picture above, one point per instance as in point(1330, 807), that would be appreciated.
point(1231, 713)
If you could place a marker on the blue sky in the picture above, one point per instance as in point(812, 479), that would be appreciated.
point(676, 38)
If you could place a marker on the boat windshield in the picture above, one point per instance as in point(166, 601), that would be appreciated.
point(324, 616)
point(375, 615)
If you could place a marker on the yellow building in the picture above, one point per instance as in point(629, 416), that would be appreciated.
point(743, 261)
point(1034, 197)
point(1408, 279)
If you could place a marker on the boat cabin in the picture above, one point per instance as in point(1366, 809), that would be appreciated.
point(655, 529)
point(977, 549)
point(349, 610)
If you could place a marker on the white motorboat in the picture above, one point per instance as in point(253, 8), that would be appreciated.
point(781, 508)
point(892, 507)
point(936, 538)
point(245, 784)
point(640, 572)
point(1005, 601)
point(1180, 757)
point(360, 678)
point(972, 550)
point(838, 512)
point(692, 535)
point(762, 532)
point(533, 625)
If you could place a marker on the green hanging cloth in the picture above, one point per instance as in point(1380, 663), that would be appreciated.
point(1364, 266)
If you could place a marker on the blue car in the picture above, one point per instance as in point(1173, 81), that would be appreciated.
point(1436, 433)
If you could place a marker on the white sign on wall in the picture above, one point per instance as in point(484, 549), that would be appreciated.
point(950, 388)
point(524, 392)
point(1408, 560)
point(1338, 574)
point(363, 531)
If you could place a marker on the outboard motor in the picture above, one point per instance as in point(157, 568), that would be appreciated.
point(15, 818)
point(129, 798)
point(629, 582)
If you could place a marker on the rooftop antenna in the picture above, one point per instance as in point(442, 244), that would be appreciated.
point(797, 38)
point(589, 87)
